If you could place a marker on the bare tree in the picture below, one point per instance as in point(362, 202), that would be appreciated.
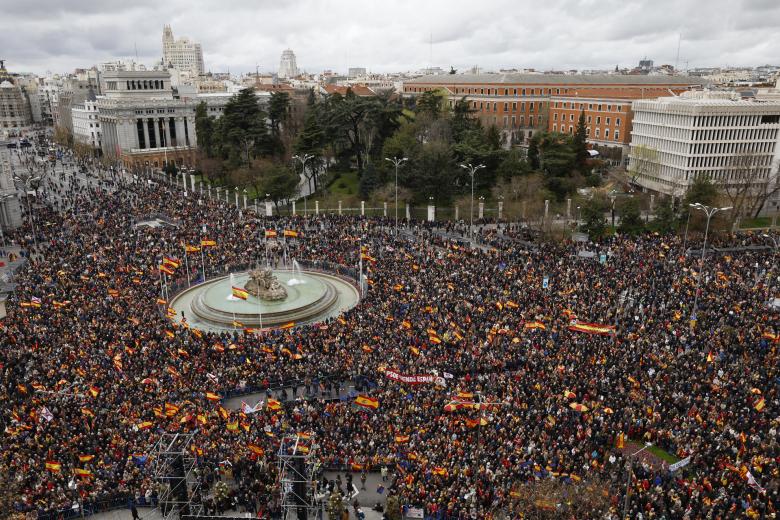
point(553, 498)
point(644, 163)
point(748, 182)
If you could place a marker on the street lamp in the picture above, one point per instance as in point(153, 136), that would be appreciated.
point(628, 477)
point(472, 171)
point(245, 192)
point(397, 162)
point(709, 211)
point(236, 197)
point(770, 237)
point(27, 181)
point(612, 197)
point(303, 161)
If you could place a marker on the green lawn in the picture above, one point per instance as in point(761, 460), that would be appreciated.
point(761, 222)
point(661, 454)
point(345, 184)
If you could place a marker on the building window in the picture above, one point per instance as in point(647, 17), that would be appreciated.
point(597, 133)
point(598, 120)
point(606, 133)
point(617, 135)
point(617, 121)
point(555, 116)
point(608, 119)
point(555, 128)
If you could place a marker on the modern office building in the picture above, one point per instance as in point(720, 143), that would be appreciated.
point(86, 125)
point(731, 141)
point(288, 68)
point(182, 54)
point(520, 104)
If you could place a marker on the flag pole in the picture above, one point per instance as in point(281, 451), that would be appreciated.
point(162, 289)
point(187, 265)
point(203, 262)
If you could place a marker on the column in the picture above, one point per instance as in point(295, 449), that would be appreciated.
point(457, 212)
point(316, 207)
point(500, 209)
point(431, 212)
point(146, 133)
point(293, 208)
point(156, 125)
point(166, 132)
point(362, 208)
point(384, 209)
point(481, 209)
point(179, 131)
point(339, 207)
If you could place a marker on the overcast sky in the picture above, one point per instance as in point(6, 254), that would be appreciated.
point(393, 35)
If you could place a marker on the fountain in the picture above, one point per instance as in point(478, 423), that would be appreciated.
point(297, 278)
point(276, 298)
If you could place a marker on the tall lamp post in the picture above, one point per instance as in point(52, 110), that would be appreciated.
point(303, 161)
point(27, 181)
point(472, 171)
point(709, 211)
point(628, 478)
point(397, 162)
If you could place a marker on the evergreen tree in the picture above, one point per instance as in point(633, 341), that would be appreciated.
point(630, 217)
point(665, 220)
point(593, 218)
point(369, 181)
point(533, 152)
point(244, 134)
point(204, 128)
point(580, 145)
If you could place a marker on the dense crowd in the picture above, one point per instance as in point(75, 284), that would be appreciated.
point(546, 365)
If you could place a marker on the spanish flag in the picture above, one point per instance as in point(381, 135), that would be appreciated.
point(165, 269)
point(191, 249)
point(239, 292)
point(290, 233)
point(171, 410)
point(288, 325)
point(53, 466)
point(160, 301)
point(257, 450)
point(401, 439)
point(113, 292)
point(439, 471)
point(145, 425)
point(270, 233)
point(273, 404)
point(171, 262)
point(238, 324)
point(86, 458)
point(207, 243)
point(760, 404)
point(212, 397)
point(87, 412)
point(94, 391)
point(82, 472)
point(592, 328)
point(367, 402)
point(533, 325)
point(621, 441)
point(232, 426)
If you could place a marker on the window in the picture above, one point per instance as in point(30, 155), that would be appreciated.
point(590, 106)
point(617, 135)
point(617, 121)
point(609, 108)
point(608, 119)
point(606, 133)
point(589, 119)
point(506, 107)
point(571, 117)
point(555, 128)
point(555, 116)
point(597, 133)
point(598, 120)
point(524, 92)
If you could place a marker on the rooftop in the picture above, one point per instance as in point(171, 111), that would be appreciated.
point(556, 79)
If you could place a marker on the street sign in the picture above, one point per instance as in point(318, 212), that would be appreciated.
point(545, 282)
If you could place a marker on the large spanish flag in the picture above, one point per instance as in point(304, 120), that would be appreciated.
point(290, 233)
point(165, 269)
point(254, 448)
point(55, 467)
point(170, 262)
point(239, 292)
point(401, 439)
point(533, 325)
point(270, 233)
point(145, 425)
point(191, 249)
point(207, 243)
point(367, 402)
point(212, 397)
point(82, 472)
point(592, 328)
point(273, 404)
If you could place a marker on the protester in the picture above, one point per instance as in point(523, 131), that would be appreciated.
point(514, 339)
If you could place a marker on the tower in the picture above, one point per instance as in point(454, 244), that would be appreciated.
point(167, 42)
point(288, 68)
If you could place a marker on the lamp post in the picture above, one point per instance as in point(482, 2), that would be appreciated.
point(183, 171)
point(27, 181)
point(709, 211)
point(612, 197)
point(472, 171)
point(245, 192)
point(303, 161)
point(397, 162)
point(628, 478)
point(770, 237)
point(236, 197)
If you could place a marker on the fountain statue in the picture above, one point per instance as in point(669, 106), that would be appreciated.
point(264, 285)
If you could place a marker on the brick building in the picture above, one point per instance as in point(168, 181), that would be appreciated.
point(521, 104)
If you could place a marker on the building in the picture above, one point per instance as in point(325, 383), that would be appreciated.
point(10, 205)
point(73, 93)
point(15, 113)
point(182, 54)
point(144, 122)
point(86, 124)
point(522, 104)
point(731, 141)
point(288, 68)
point(356, 72)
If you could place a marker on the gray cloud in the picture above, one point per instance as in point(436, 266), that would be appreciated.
point(393, 35)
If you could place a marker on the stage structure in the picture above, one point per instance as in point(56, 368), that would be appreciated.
point(173, 467)
point(297, 478)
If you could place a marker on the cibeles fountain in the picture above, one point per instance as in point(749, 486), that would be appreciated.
point(275, 298)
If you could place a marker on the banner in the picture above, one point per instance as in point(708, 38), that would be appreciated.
point(680, 464)
point(415, 379)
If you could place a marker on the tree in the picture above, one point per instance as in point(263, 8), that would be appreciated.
point(665, 220)
point(630, 217)
point(643, 163)
point(557, 157)
point(430, 102)
point(533, 152)
point(278, 181)
point(462, 119)
point(369, 181)
point(204, 128)
point(750, 181)
point(580, 145)
point(346, 118)
point(278, 114)
point(244, 134)
point(513, 164)
point(593, 217)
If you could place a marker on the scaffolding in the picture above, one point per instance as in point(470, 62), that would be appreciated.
point(173, 468)
point(297, 478)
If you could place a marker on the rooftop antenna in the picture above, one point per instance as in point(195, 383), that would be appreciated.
point(136, 51)
point(677, 60)
point(430, 54)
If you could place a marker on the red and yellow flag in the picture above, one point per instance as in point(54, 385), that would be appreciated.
point(207, 243)
point(270, 233)
point(257, 450)
point(212, 396)
point(94, 391)
point(171, 262)
point(53, 466)
point(592, 328)
point(240, 292)
point(273, 404)
point(290, 233)
point(367, 402)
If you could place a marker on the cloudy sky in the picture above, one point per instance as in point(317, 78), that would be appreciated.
point(393, 35)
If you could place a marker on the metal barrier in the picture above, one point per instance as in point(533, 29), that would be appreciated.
point(89, 508)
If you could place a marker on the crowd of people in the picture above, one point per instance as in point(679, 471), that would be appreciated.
point(542, 364)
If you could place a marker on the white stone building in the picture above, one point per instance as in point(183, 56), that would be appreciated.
point(182, 54)
point(86, 124)
point(731, 141)
point(288, 68)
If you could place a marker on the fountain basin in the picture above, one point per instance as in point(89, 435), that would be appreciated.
point(313, 296)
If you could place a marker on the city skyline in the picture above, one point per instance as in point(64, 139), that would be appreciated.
point(239, 35)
